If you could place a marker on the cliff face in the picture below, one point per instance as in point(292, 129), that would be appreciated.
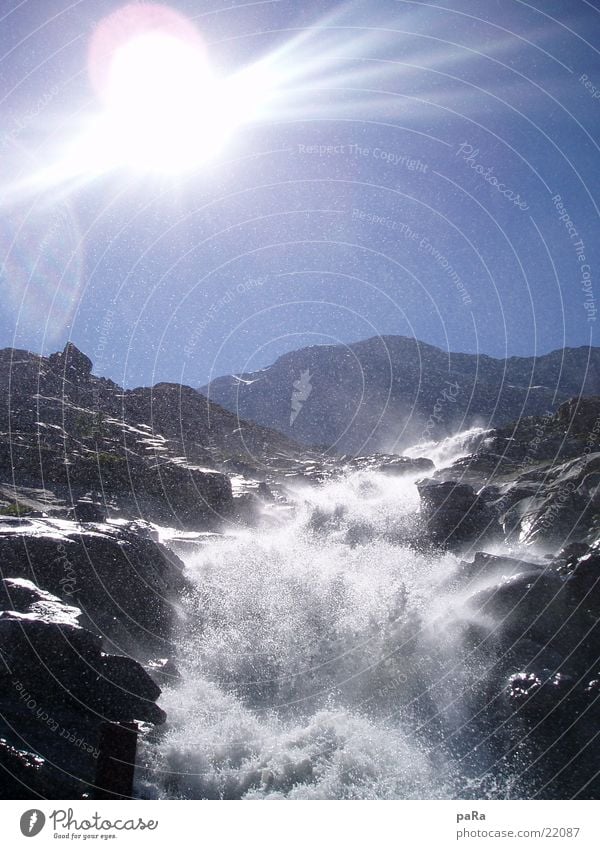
point(158, 453)
point(85, 602)
point(95, 611)
point(388, 392)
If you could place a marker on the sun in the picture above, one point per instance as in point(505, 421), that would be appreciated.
point(165, 110)
point(161, 107)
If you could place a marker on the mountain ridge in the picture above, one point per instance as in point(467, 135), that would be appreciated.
point(481, 356)
point(162, 452)
point(383, 393)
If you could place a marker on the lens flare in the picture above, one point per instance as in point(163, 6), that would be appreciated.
point(41, 270)
point(165, 109)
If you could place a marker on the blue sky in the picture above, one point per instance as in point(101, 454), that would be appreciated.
point(426, 169)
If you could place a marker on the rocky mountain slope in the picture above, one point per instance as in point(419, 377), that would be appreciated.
point(161, 453)
point(90, 598)
point(388, 392)
point(535, 483)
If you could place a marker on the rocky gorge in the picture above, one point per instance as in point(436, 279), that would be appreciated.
point(89, 594)
point(321, 625)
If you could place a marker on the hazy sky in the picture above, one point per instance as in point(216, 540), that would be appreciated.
point(426, 169)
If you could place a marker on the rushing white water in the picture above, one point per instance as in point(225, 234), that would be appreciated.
point(323, 658)
point(451, 448)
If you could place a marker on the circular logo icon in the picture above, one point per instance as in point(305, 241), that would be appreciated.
point(32, 822)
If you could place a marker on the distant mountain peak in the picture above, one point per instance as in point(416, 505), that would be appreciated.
point(388, 392)
point(71, 359)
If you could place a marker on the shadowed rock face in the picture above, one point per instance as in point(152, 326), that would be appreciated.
point(539, 477)
point(158, 453)
point(453, 513)
point(71, 364)
point(579, 415)
point(542, 686)
point(85, 600)
point(57, 687)
point(125, 585)
point(386, 392)
point(392, 465)
point(73, 591)
point(537, 481)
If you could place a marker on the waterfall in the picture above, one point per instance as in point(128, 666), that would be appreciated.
point(325, 658)
point(451, 448)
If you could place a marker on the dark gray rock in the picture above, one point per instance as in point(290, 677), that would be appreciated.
point(568, 556)
point(86, 510)
point(580, 415)
point(486, 566)
point(544, 607)
point(126, 585)
point(546, 705)
point(61, 665)
point(583, 573)
point(71, 363)
point(554, 504)
point(21, 595)
point(478, 469)
point(156, 453)
point(122, 691)
point(25, 775)
point(163, 671)
point(453, 513)
point(57, 688)
point(532, 603)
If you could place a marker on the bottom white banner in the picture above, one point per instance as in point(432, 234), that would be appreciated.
point(301, 824)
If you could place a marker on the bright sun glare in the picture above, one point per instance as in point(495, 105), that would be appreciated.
point(165, 110)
